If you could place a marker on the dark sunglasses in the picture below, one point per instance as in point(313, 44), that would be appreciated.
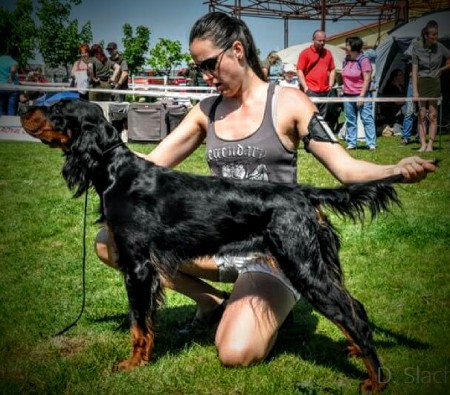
point(210, 64)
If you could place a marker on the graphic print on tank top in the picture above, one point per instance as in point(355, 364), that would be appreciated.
point(239, 162)
point(259, 156)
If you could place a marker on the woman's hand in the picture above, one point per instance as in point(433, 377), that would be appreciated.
point(415, 169)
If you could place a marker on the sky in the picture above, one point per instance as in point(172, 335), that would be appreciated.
point(173, 19)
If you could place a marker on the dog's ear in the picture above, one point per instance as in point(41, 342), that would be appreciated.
point(90, 134)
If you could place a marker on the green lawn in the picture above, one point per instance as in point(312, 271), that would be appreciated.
point(396, 265)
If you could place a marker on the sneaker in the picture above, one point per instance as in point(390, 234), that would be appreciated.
point(202, 324)
point(350, 147)
point(372, 148)
point(405, 141)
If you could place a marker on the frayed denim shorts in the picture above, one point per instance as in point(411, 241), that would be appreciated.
point(231, 266)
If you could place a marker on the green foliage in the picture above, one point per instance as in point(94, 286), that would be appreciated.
point(135, 48)
point(60, 37)
point(18, 31)
point(166, 55)
point(397, 265)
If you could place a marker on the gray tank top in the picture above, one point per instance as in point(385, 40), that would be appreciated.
point(260, 156)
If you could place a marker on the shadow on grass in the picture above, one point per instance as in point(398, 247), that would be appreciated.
point(297, 336)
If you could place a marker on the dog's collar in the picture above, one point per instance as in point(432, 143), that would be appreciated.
point(112, 148)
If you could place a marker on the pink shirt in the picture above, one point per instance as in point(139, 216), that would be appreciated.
point(352, 74)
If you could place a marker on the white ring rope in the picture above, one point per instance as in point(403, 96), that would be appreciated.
point(192, 93)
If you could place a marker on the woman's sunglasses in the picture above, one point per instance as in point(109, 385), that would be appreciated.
point(210, 64)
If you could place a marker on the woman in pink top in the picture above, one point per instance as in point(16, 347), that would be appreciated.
point(357, 74)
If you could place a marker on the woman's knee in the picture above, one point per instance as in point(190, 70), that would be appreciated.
point(103, 250)
point(240, 353)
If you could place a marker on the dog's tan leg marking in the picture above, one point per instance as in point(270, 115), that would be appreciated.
point(142, 348)
point(372, 384)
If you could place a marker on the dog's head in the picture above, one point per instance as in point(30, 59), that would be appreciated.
point(61, 123)
point(80, 129)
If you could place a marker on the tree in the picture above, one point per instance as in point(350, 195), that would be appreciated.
point(167, 55)
point(18, 31)
point(59, 37)
point(135, 47)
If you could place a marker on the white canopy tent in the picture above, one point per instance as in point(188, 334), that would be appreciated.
point(290, 54)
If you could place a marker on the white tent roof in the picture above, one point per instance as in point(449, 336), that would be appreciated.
point(290, 54)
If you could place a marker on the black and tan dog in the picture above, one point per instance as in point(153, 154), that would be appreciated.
point(159, 218)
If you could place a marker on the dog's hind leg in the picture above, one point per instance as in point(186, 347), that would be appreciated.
point(306, 250)
point(144, 292)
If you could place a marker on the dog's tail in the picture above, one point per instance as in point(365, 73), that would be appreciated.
point(353, 200)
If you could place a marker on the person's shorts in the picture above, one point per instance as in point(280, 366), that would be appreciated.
point(230, 267)
point(429, 87)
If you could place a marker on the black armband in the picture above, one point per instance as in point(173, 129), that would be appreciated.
point(318, 130)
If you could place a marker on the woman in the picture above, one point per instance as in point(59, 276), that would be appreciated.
point(356, 76)
point(273, 67)
point(100, 69)
point(252, 130)
point(427, 58)
point(79, 71)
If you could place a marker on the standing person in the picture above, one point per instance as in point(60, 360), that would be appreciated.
point(79, 72)
point(191, 74)
point(428, 55)
point(357, 75)
point(122, 81)
point(253, 130)
point(316, 70)
point(100, 69)
point(273, 67)
point(8, 76)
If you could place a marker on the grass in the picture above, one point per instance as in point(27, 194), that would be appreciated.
point(396, 265)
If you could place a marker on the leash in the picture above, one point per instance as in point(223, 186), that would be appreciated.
point(83, 272)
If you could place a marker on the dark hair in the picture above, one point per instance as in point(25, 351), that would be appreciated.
point(223, 29)
point(355, 43)
point(97, 51)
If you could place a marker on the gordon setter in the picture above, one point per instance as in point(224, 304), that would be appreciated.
point(159, 218)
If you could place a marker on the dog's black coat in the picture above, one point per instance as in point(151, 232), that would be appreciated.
point(159, 218)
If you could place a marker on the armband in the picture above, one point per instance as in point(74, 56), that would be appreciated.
point(318, 130)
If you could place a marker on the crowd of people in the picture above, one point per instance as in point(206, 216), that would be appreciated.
point(92, 71)
point(314, 74)
point(424, 62)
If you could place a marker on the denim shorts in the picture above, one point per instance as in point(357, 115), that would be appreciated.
point(231, 266)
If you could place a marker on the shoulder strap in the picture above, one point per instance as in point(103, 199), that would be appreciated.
point(312, 66)
point(212, 111)
point(358, 61)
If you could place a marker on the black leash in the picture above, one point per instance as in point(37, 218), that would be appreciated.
point(83, 275)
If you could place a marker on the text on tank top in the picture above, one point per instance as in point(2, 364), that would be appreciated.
point(259, 156)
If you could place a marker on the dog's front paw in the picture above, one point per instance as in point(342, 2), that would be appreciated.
point(368, 386)
point(128, 364)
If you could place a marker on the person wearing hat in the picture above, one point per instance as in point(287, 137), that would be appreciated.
point(289, 76)
point(122, 82)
